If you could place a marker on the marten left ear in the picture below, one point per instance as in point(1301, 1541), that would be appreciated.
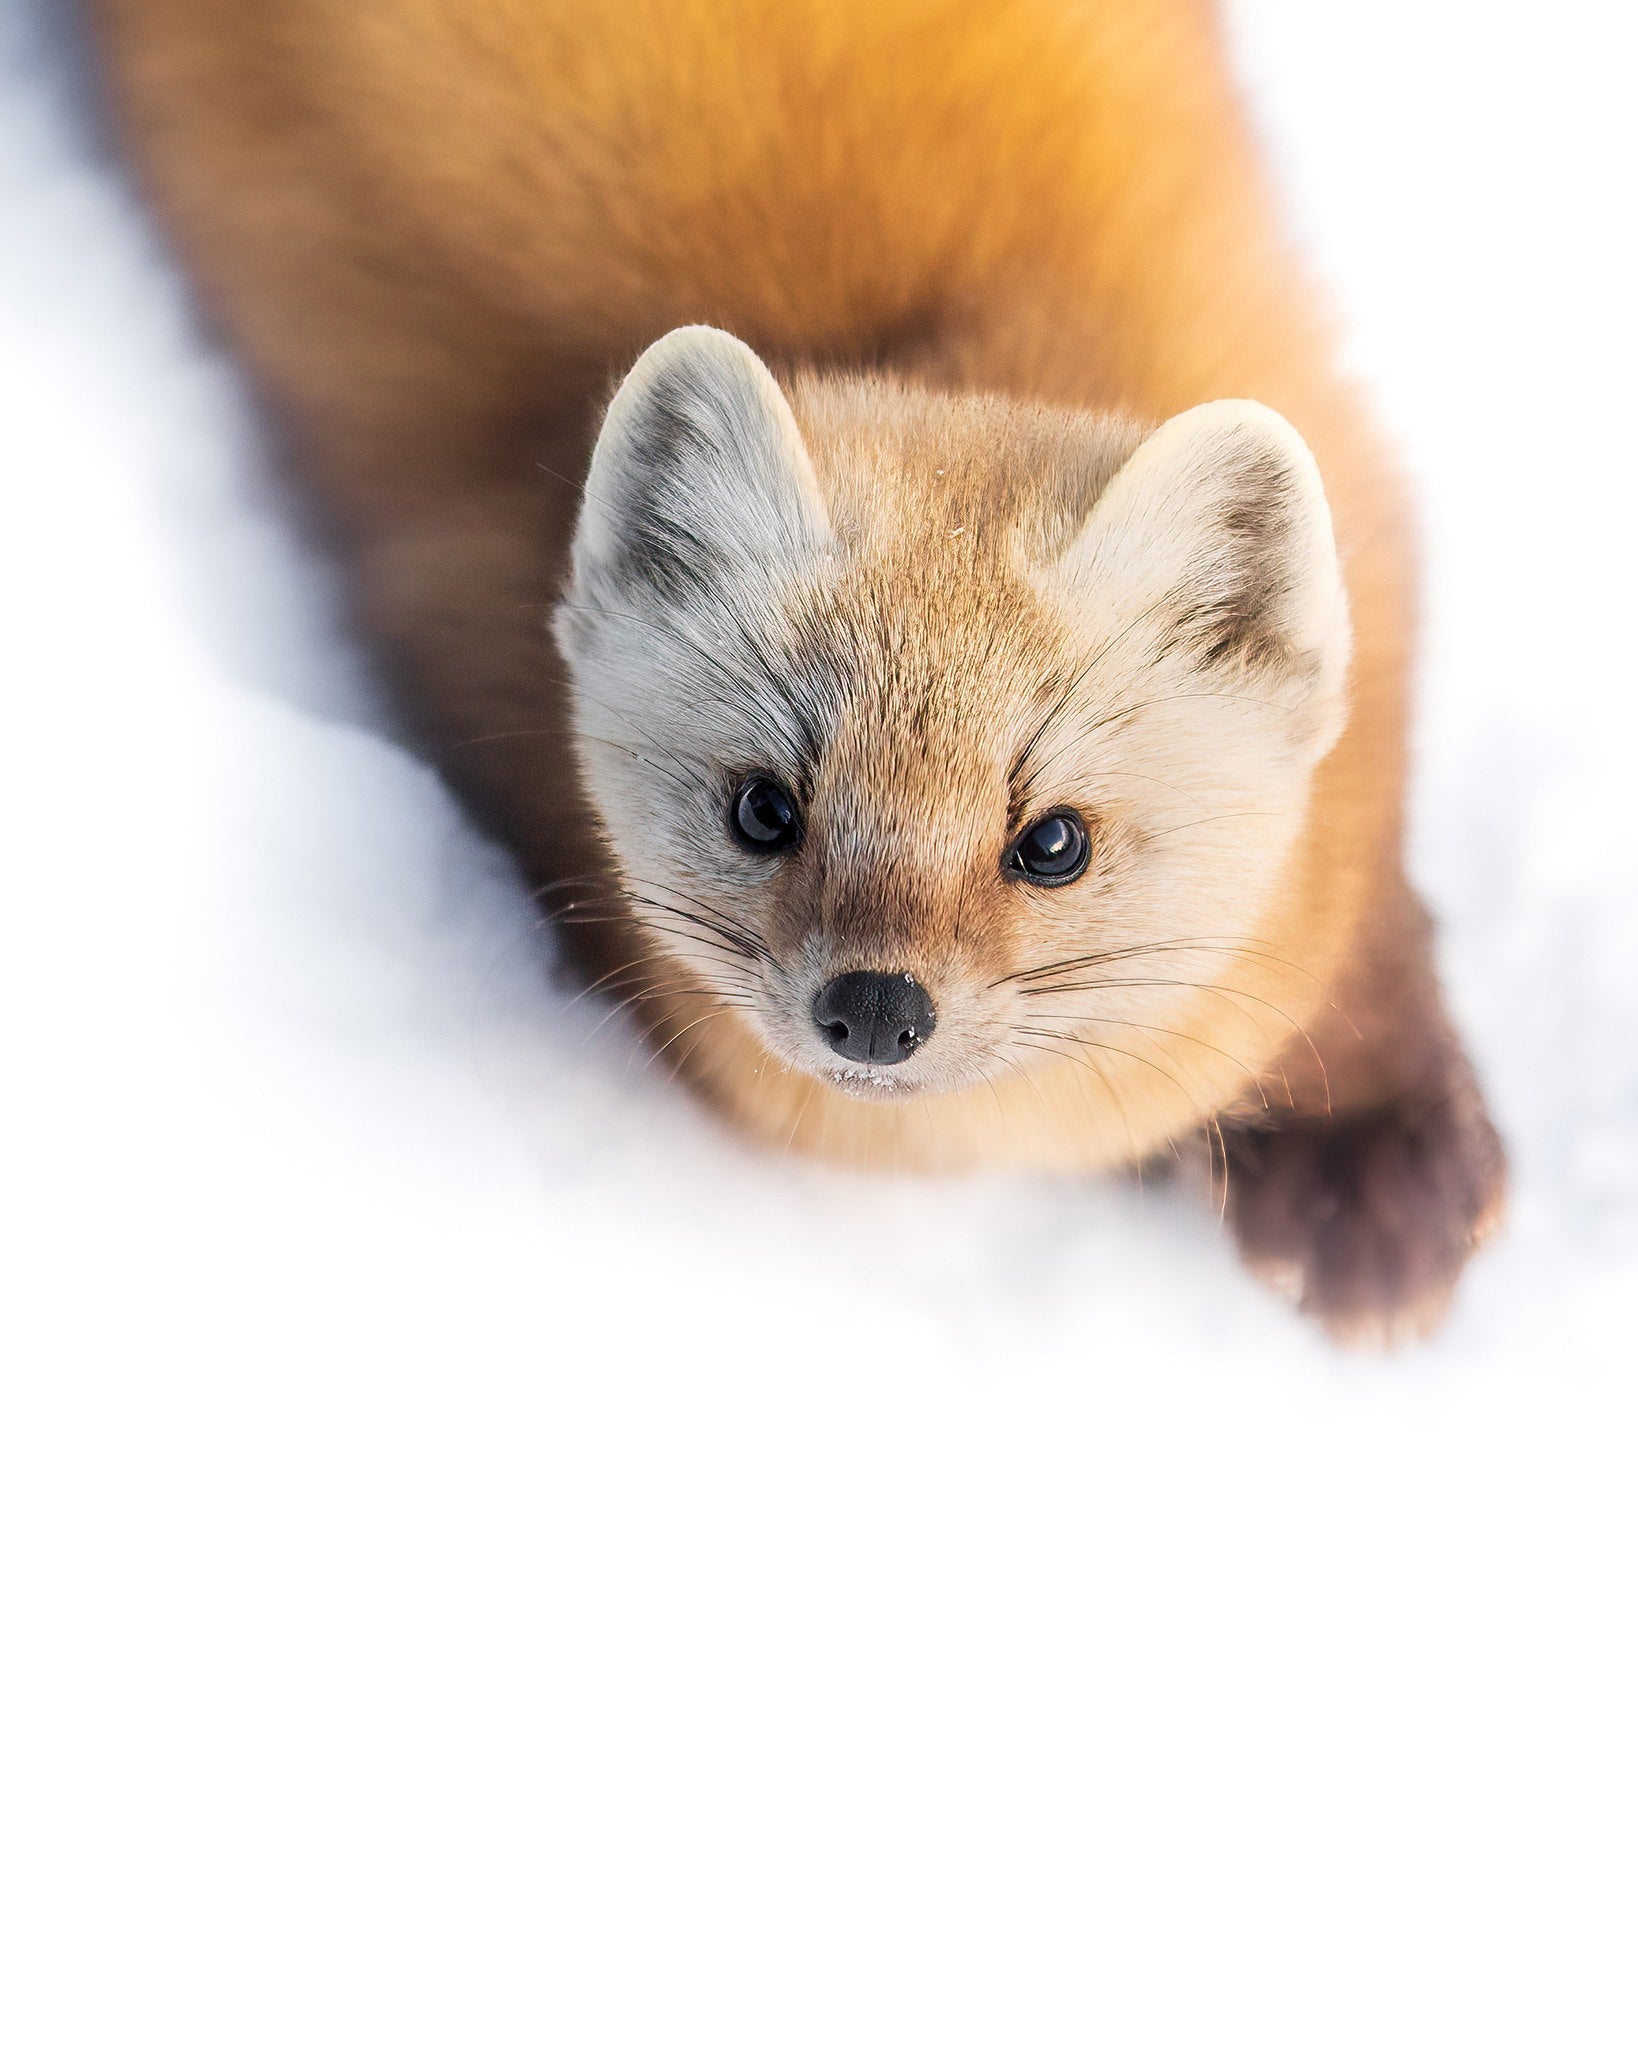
point(1213, 546)
point(699, 481)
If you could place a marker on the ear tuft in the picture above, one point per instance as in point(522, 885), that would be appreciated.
point(699, 477)
point(1213, 545)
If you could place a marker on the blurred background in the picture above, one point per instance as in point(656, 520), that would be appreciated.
point(486, 1558)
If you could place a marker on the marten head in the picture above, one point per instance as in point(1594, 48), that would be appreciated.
point(910, 718)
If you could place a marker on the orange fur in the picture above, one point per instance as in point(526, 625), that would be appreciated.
point(438, 229)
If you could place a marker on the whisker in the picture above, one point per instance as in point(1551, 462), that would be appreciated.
point(1018, 1067)
point(1165, 1031)
point(1249, 944)
point(1091, 1066)
point(1206, 988)
point(1216, 818)
point(690, 785)
point(1123, 1051)
point(807, 1096)
point(682, 933)
point(746, 948)
point(1066, 695)
point(705, 1017)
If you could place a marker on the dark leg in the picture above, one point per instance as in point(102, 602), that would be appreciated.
point(1366, 1211)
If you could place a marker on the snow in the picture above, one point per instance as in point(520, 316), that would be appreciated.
point(486, 1558)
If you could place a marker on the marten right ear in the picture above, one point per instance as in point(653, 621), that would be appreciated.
point(1213, 547)
point(699, 478)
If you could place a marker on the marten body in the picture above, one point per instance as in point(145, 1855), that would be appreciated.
point(985, 247)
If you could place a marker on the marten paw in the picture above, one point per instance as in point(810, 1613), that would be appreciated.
point(1366, 1220)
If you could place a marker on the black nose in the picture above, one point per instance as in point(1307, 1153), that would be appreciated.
point(878, 1018)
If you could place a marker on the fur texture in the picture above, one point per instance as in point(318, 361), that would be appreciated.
point(1028, 481)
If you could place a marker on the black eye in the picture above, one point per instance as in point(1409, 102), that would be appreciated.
point(763, 816)
point(1052, 851)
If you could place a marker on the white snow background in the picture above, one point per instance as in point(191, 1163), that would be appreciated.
point(486, 1559)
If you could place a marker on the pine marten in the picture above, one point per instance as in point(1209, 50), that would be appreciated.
point(973, 724)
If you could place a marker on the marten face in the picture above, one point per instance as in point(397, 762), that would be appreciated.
point(939, 737)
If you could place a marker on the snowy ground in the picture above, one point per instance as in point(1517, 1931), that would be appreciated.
point(483, 1559)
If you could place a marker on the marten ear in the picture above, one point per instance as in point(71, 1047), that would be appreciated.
point(1213, 546)
point(699, 477)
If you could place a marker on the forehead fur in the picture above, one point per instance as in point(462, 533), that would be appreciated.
point(907, 472)
point(939, 505)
